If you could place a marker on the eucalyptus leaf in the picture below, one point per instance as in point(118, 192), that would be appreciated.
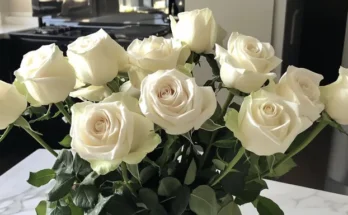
point(159, 210)
point(64, 162)
point(230, 209)
point(251, 192)
point(66, 142)
point(114, 204)
point(266, 206)
point(188, 137)
point(191, 173)
point(221, 165)
point(203, 201)
point(149, 198)
point(147, 173)
point(41, 178)
point(181, 201)
point(168, 186)
point(64, 183)
point(233, 183)
point(86, 196)
point(210, 125)
point(81, 167)
point(198, 149)
point(41, 208)
point(134, 170)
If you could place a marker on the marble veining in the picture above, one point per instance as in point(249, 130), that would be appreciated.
point(19, 198)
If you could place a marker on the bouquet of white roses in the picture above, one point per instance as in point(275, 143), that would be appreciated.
point(146, 139)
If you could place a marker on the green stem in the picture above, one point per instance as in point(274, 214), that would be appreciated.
point(4, 135)
point(230, 166)
point(61, 108)
point(125, 178)
point(40, 141)
point(226, 105)
point(207, 151)
point(318, 128)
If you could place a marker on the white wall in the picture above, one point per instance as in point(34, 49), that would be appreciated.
point(345, 51)
point(23, 6)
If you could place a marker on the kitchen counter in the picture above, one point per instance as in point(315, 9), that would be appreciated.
point(19, 198)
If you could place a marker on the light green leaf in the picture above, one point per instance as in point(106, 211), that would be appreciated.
point(75, 210)
point(191, 173)
point(219, 164)
point(66, 142)
point(168, 186)
point(230, 209)
point(86, 196)
point(64, 183)
point(61, 210)
point(210, 125)
point(134, 170)
point(203, 201)
point(41, 178)
point(41, 208)
point(266, 206)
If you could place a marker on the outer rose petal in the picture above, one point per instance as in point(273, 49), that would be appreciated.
point(92, 93)
point(130, 102)
point(104, 167)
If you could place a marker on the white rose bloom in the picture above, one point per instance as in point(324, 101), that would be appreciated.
point(97, 58)
point(266, 123)
point(12, 104)
point(153, 54)
point(247, 63)
point(113, 131)
point(302, 87)
point(335, 98)
point(175, 102)
point(128, 88)
point(92, 93)
point(198, 29)
point(45, 76)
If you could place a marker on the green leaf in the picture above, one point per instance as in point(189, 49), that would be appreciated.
point(134, 170)
point(61, 210)
point(168, 186)
point(86, 196)
point(81, 167)
point(41, 208)
point(75, 210)
point(221, 165)
point(64, 162)
point(159, 210)
point(64, 183)
point(41, 178)
point(226, 144)
point(230, 209)
point(281, 169)
point(251, 192)
point(90, 178)
point(149, 198)
point(181, 201)
point(66, 142)
point(266, 206)
point(203, 201)
point(210, 125)
point(171, 139)
point(100, 206)
point(147, 173)
point(120, 205)
point(233, 183)
point(191, 173)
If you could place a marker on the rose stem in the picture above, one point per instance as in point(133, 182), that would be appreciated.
point(40, 141)
point(125, 177)
point(61, 108)
point(212, 139)
point(228, 169)
point(226, 105)
point(4, 135)
point(318, 128)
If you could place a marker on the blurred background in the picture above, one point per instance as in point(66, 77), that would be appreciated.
point(305, 33)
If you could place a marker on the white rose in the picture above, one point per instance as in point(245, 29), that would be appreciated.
point(247, 63)
point(92, 93)
point(128, 88)
point(335, 98)
point(175, 102)
point(113, 131)
point(302, 87)
point(97, 58)
point(197, 29)
point(12, 104)
point(266, 123)
point(153, 54)
point(45, 76)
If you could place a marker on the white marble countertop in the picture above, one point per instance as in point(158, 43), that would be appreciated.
point(19, 198)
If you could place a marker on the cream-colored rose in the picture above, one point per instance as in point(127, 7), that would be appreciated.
point(335, 98)
point(153, 54)
point(198, 29)
point(175, 102)
point(45, 76)
point(302, 87)
point(97, 58)
point(247, 63)
point(92, 93)
point(128, 88)
point(12, 104)
point(266, 124)
point(113, 131)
